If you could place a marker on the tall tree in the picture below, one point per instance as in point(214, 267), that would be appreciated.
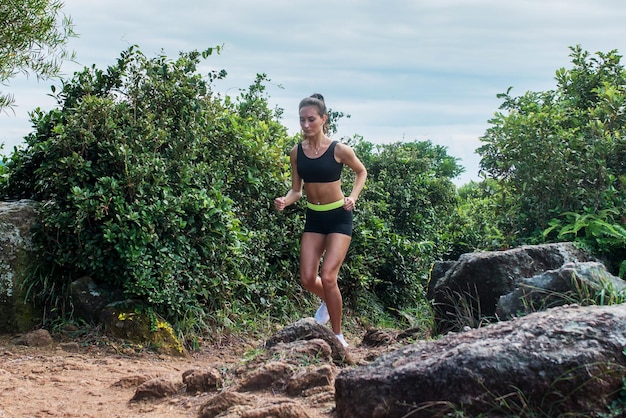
point(33, 40)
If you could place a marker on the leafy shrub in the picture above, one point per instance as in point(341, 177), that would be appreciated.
point(562, 150)
point(399, 224)
point(133, 172)
point(603, 233)
point(474, 225)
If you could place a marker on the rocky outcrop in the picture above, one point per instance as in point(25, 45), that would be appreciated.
point(467, 292)
point(238, 405)
point(297, 363)
point(17, 315)
point(567, 360)
point(308, 329)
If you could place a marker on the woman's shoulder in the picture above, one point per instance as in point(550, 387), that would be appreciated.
point(340, 147)
point(294, 150)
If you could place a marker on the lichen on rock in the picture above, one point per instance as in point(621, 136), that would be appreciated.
point(131, 321)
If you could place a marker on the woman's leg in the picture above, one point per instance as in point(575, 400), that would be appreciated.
point(336, 249)
point(311, 250)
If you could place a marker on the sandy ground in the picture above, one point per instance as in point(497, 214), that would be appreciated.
point(99, 380)
point(52, 382)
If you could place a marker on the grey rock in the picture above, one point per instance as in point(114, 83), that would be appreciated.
point(564, 360)
point(589, 282)
point(308, 329)
point(467, 292)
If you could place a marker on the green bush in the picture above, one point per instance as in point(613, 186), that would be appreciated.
point(474, 226)
point(562, 150)
point(134, 172)
point(603, 234)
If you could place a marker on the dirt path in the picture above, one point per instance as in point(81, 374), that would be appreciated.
point(72, 380)
point(56, 383)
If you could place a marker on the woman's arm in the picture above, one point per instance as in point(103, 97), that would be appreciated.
point(347, 156)
point(295, 193)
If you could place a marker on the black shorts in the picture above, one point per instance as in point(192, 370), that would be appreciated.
point(332, 221)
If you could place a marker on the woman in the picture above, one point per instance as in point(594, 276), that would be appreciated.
point(316, 164)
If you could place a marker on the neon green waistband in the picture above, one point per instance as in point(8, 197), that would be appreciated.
point(325, 207)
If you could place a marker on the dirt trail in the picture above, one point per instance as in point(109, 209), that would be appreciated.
point(77, 380)
point(96, 381)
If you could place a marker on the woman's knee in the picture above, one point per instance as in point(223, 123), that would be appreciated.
point(329, 279)
point(308, 280)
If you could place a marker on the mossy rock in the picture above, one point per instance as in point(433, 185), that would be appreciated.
point(17, 258)
point(136, 324)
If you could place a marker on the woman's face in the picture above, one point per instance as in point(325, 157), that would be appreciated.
point(311, 122)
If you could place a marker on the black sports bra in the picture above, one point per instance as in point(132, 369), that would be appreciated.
point(324, 169)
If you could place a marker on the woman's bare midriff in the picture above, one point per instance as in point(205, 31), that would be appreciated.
point(323, 193)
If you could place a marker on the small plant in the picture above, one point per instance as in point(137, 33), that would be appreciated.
point(420, 317)
point(603, 232)
point(463, 310)
point(601, 290)
point(252, 354)
point(596, 289)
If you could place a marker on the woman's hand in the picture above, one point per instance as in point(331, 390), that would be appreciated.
point(279, 203)
point(349, 203)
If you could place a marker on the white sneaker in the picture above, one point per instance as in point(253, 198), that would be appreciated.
point(341, 340)
point(322, 316)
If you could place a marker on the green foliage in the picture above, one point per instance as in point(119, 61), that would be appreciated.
point(474, 226)
point(603, 292)
point(134, 173)
point(410, 185)
point(561, 150)
point(256, 163)
point(333, 120)
point(33, 37)
point(603, 233)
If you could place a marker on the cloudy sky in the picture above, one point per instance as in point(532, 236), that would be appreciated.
point(404, 70)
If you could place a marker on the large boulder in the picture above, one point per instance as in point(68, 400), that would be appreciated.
point(466, 292)
point(563, 361)
point(16, 257)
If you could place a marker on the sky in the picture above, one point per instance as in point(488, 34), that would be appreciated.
point(404, 70)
